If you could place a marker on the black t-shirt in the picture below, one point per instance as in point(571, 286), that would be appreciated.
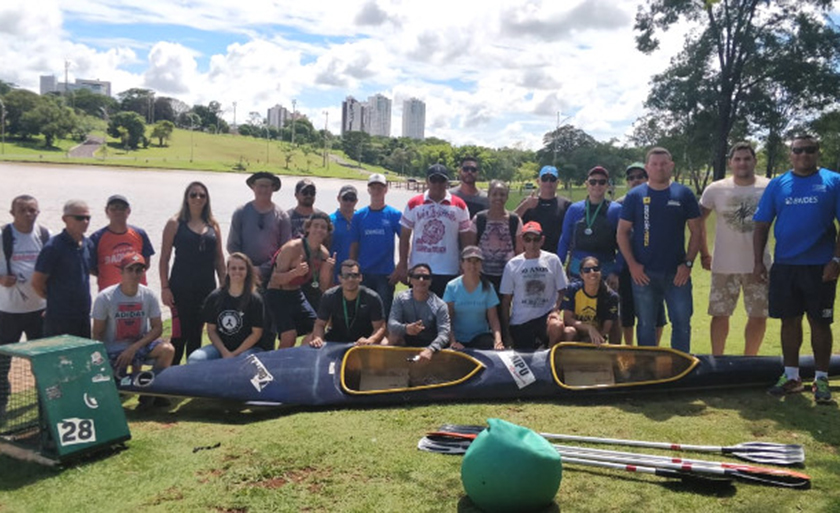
point(550, 215)
point(475, 203)
point(361, 314)
point(233, 324)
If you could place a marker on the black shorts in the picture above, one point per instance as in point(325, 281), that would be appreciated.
point(290, 311)
point(530, 335)
point(799, 289)
point(627, 308)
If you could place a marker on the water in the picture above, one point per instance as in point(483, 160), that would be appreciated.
point(155, 195)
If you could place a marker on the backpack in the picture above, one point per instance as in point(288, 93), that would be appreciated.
point(8, 243)
point(481, 223)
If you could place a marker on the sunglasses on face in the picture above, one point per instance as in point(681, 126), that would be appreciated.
point(597, 181)
point(349, 197)
point(353, 276)
point(548, 178)
point(531, 239)
point(307, 192)
point(437, 179)
point(469, 169)
point(810, 150)
point(136, 269)
point(592, 269)
point(421, 277)
point(200, 195)
point(633, 178)
point(80, 218)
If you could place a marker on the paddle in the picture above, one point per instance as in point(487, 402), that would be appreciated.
point(456, 447)
point(759, 452)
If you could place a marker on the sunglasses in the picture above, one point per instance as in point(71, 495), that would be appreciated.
point(353, 276)
point(438, 179)
point(531, 239)
point(810, 150)
point(421, 277)
point(307, 192)
point(633, 178)
point(470, 169)
point(349, 197)
point(593, 269)
point(80, 218)
point(136, 269)
point(194, 195)
point(548, 178)
point(596, 181)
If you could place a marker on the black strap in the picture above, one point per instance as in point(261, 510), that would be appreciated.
point(481, 224)
point(8, 242)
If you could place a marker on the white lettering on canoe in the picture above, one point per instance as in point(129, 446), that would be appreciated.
point(519, 370)
point(262, 378)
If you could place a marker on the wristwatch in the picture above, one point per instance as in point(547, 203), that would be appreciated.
point(689, 263)
point(836, 260)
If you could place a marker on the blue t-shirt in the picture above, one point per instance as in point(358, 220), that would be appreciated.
point(67, 265)
point(375, 231)
point(342, 237)
point(658, 219)
point(805, 208)
point(470, 319)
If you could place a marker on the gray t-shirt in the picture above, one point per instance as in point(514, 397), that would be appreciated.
point(433, 312)
point(475, 202)
point(258, 235)
point(297, 221)
point(126, 317)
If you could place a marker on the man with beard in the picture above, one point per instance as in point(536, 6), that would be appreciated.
point(305, 196)
point(475, 198)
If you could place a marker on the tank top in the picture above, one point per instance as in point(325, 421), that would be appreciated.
point(314, 262)
point(195, 259)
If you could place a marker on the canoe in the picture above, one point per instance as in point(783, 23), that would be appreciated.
point(343, 374)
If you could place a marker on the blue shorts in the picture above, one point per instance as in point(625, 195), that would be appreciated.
point(141, 357)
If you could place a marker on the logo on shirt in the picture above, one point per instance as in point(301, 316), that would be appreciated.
point(805, 200)
point(230, 322)
point(674, 203)
point(433, 232)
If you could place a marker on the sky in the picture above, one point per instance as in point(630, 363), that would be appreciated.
point(495, 73)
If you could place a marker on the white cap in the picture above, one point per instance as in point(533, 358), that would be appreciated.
point(377, 178)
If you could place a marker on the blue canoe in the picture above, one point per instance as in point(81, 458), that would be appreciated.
point(343, 374)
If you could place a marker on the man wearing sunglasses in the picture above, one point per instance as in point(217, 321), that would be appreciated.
point(62, 275)
point(435, 226)
point(804, 202)
point(418, 317)
point(475, 198)
point(353, 312)
point(305, 196)
point(112, 242)
point(548, 209)
point(342, 221)
point(734, 201)
point(651, 236)
point(533, 286)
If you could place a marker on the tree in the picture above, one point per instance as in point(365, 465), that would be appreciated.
point(137, 100)
point(90, 103)
point(5, 87)
point(162, 131)
point(725, 60)
point(827, 126)
point(133, 128)
point(352, 143)
point(18, 102)
point(49, 118)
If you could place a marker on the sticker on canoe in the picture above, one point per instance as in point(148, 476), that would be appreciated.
point(76, 431)
point(517, 367)
point(262, 378)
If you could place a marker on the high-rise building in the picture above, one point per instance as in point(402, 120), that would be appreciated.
point(277, 116)
point(414, 119)
point(50, 85)
point(352, 115)
point(378, 116)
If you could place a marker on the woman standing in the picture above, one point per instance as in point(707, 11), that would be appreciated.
point(472, 306)
point(197, 240)
point(590, 308)
point(497, 233)
point(233, 313)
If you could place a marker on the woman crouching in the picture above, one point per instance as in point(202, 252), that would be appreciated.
point(589, 308)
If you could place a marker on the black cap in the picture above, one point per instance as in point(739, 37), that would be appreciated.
point(302, 184)
point(437, 169)
point(275, 180)
point(117, 198)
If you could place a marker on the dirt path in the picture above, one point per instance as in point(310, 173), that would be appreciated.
point(87, 148)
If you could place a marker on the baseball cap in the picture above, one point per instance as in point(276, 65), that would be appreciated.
point(532, 227)
point(472, 252)
point(598, 170)
point(635, 165)
point(132, 259)
point(377, 178)
point(302, 184)
point(437, 169)
point(345, 189)
point(275, 180)
point(549, 170)
point(116, 198)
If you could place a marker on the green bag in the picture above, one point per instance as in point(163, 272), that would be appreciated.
point(509, 468)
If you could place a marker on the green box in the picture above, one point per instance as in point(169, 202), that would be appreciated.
point(74, 407)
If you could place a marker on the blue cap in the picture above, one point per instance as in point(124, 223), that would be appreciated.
point(549, 170)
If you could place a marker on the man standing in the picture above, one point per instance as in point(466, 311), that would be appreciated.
point(804, 202)
point(260, 227)
point(116, 240)
point(62, 274)
point(533, 286)
point(305, 196)
point(547, 209)
point(435, 227)
point(475, 198)
point(651, 236)
point(342, 221)
point(375, 227)
point(126, 318)
point(21, 309)
point(734, 201)
point(354, 312)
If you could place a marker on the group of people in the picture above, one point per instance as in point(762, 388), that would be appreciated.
point(480, 276)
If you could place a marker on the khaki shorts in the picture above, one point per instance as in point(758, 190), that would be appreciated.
point(724, 292)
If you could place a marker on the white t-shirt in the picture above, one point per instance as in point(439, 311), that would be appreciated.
point(734, 207)
point(126, 317)
point(436, 227)
point(534, 284)
point(21, 297)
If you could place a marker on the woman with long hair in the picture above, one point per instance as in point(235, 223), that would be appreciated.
point(233, 313)
point(497, 233)
point(472, 303)
point(196, 238)
point(590, 308)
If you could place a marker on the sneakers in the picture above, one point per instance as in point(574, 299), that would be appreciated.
point(822, 393)
point(786, 386)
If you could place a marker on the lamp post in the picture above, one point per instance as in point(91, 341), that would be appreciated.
point(294, 102)
point(3, 127)
point(193, 116)
point(326, 123)
point(265, 127)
